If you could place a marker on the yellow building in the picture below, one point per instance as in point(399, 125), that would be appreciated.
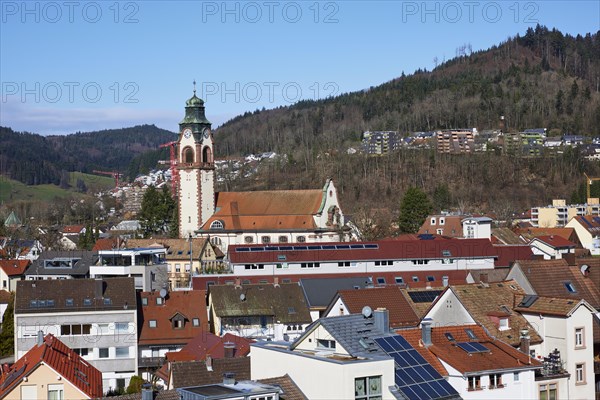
point(559, 213)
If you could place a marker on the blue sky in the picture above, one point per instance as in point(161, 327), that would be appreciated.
point(70, 66)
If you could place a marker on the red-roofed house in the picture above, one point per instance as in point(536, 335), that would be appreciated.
point(206, 347)
point(551, 247)
point(167, 323)
point(352, 301)
point(12, 271)
point(476, 364)
point(73, 230)
point(50, 370)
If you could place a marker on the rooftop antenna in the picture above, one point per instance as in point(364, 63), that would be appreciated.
point(194, 87)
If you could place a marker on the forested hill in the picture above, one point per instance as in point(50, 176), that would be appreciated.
point(34, 159)
point(541, 79)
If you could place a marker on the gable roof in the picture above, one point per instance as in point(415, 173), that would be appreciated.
point(505, 236)
point(500, 355)
point(5, 296)
point(484, 301)
point(400, 311)
point(196, 373)
point(14, 267)
point(61, 359)
point(266, 210)
point(320, 291)
point(530, 233)
point(557, 242)
point(419, 303)
point(285, 301)
point(73, 229)
point(190, 304)
point(348, 331)
point(88, 295)
point(590, 223)
point(550, 278)
point(452, 226)
point(290, 390)
point(550, 306)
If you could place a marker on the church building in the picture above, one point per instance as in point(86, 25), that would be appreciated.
point(257, 217)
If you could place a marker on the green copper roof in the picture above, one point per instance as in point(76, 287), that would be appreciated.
point(194, 101)
point(12, 220)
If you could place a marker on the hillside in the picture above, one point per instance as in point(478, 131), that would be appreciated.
point(543, 79)
point(34, 159)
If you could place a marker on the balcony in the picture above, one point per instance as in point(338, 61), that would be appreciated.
point(151, 362)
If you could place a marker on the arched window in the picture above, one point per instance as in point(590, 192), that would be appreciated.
point(217, 225)
point(206, 155)
point(188, 155)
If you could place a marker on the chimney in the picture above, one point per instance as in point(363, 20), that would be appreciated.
point(228, 378)
point(98, 292)
point(445, 281)
point(276, 281)
point(483, 277)
point(525, 341)
point(209, 363)
point(426, 332)
point(229, 349)
point(381, 318)
point(40, 338)
point(238, 283)
point(147, 392)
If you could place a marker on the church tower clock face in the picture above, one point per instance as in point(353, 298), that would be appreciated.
point(195, 165)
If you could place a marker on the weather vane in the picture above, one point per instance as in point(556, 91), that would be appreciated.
point(194, 87)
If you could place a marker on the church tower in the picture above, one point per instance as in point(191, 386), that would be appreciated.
point(196, 167)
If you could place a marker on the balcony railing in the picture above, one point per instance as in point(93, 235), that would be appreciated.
point(151, 362)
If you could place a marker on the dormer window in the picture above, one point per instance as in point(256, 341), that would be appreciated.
point(442, 221)
point(433, 221)
point(217, 225)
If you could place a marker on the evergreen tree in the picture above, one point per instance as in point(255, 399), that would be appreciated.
point(158, 211)
point(414, 209)
point(7, 343)
point(441, 197)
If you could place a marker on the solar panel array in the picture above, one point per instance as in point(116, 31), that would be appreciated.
point(473, 347)
point(424, 296)
point(414, 376)
point(354, 246)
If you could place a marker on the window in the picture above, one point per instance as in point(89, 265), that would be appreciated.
point(265, 239)
point(82, 352)
point(516, 377)
point(159, 301)
point(433, 221)
point(368, 388)
point(178, 323)
point(301, 239)
point(430, 278)
point(121, 327)
point(474, 383)
point(326, 344)
point(122, 352)
point(144, 301)
point(496, 381)
point(107, 302)
point(195, 322)
point(248, 239)
point(579, 343)
point(381, 281)
point(152, 323)
point(69, 302)
point(283, 239)
point(442, 221)
point(470, 334)
point(56, 392)
point(87, 302)
point(579, 373)
point(439, 231)
point(570, 287)
point(177, 267)
point(188, 155)
point(548, 392)
point(415, 279)
point(103, 352)
point(217, 225)
point(75, 329)
point(503, 324)
point(343, 263)
point(399, 280)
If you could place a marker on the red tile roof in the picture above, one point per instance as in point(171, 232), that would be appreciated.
point(390, 298)
point(555, 241)
point(107, 244)
point(452, 226)
point(73, 229)
point(507, 254)
point(190, 304)
point(501, 355)
point(62, 359)
point(14, 267)
point(278, 209)
point(530, 233)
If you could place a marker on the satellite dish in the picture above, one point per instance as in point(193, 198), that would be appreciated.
point(163, 293)
point(367, 312)
point(242, 296)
